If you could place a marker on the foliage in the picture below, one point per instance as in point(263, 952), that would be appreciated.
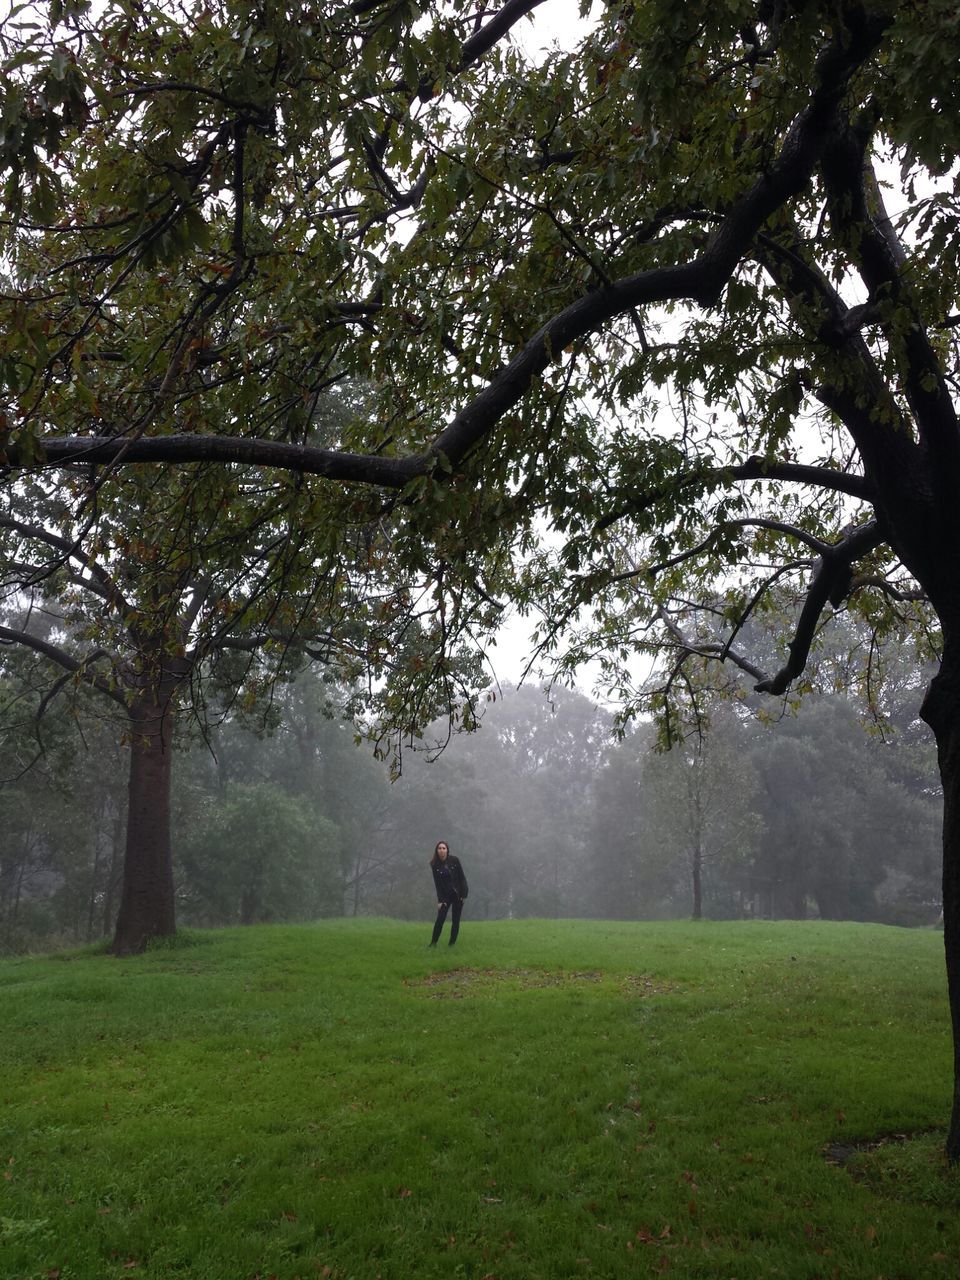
point(467, 216)
point(61, 811)
point(256, 854)
point(650, 1098)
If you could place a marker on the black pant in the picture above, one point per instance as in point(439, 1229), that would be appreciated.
point(457, 905)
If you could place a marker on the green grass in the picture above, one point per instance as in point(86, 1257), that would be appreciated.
point(548, 1100)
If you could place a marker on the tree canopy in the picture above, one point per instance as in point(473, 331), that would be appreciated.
point(650, 325)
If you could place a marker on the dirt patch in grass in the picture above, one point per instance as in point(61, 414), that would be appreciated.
point(456, 984)
point(841, 1153)
point(904, 1166)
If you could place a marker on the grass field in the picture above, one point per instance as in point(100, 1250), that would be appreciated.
point(547, 1100)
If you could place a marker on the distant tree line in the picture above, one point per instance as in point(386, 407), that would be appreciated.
point(279, 814)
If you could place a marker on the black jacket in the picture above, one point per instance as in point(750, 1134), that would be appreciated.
point(449, 878)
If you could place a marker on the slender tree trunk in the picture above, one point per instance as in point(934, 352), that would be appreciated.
point(147, 903)
point(356, 888)
point(941, 710)
point(694, 799)
point(94, 879)
point(21, 870)
point(114, 872)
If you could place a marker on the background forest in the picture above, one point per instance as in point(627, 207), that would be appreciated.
point(279, 814)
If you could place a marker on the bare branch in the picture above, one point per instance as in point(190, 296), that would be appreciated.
point(708, 650)
point(888, 588)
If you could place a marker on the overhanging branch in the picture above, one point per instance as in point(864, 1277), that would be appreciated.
point(701, 280)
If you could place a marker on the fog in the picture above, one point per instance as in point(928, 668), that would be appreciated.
point(281, 815)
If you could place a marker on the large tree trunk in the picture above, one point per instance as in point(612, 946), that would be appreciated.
point(941, 710)
point(146, 903)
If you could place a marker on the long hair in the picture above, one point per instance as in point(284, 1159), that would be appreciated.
point(436, 856)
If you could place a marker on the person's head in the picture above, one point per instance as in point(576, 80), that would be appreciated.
point(440, 852)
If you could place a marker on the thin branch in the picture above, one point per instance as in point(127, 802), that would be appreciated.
point(708, 650)
point(888, 588)
point(68, 549)
point(830, 585)
point(77, 667)
point(754, 468)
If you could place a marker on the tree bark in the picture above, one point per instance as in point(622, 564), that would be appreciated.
point(941, 710)
point(147, 900)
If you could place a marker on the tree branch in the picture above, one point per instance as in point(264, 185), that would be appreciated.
point(754, 468)
point(830, 585)
point(709, 650)
point(103, 584)
point(701, 280)
point(387, 473)
point(63, 659)
point(881, 260)
point(888, 588)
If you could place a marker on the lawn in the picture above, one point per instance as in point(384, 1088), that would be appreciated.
point(550, 1099)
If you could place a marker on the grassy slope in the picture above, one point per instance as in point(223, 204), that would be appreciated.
point(593, 1099)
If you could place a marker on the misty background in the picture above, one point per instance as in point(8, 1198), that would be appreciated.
point(280, 814)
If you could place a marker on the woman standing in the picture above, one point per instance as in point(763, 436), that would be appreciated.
point(451, 886)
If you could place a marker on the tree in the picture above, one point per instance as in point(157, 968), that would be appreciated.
point(299, 744)
point(724, 163)
point(259, 854)
point(700, 805)
point(125, 599)
point(837, 815)
point(156, 603)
